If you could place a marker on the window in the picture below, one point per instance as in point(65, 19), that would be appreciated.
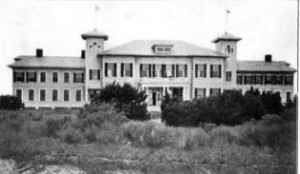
point(200, 70)
point(200, 92)
point(181, 70)
point(239, 79)
point(248, 79)
point(54, 95)
point(268, 79)
point(78, 77)
point(19, 94)
point(31, 95)
point(215, 91)
point(157, 69)
point(66, 95)
point(145, 70)
point(19, 76)
point(288, 80)
point(78, 95)
point(279, 80)
point(66, 77)
point(43, 77)
point(228, 76)
point(162, 48)
point(54, 77)
point(126, 69)
point(31, 76)
point(258, 79)
point(215, 71)
point(42, 95)
point(110, 70)
point(288, 96)
point(94, 74)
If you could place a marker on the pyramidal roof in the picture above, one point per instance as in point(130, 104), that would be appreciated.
point(94, 34)
point(228, 37)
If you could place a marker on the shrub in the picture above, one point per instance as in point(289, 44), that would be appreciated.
point(53, 126)
point(9, 102)
point(224, 135)
point(72, 135)
point(90, 136)
point(192, 138)
point(127, 99)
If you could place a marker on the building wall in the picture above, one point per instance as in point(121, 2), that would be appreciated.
point(49, 86)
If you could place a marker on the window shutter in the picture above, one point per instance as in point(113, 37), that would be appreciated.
point(122, 69)
point(27, 75)
point(131, 70)
point(204, 70)
point(98, 73)
point(35, 77)
point(141, 70)
point(173, 70)
point(185, 70)
point(196, 92)
point(211, 70)
point(149, 65)
point(153, 70)
point(105, 71)
point(196, 70)
point(15, 76)
point(74, 77)
point(82, 80)
point(115, 70)
point(91, 74)
point(177, 70)
point(220, 71)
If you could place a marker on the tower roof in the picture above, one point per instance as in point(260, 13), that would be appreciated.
point(227, 37)
point(94, 34)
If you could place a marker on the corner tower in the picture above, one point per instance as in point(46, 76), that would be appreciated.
point(227, 44)
point(93, 65)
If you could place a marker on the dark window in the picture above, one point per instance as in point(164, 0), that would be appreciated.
point(181, 70)
point(228, 76)
point(54, 77)
point(126, 69)
point(19, 94)
point(248, 79)
point(54, 95)
point(215, 71)
point(19, 76)
point(288, 80)
point(78, 77)
point(279, 80)
point(145, 70)
point(268, 79)
point(200, 92)
point(66, 77)
point(31, 76)
point(258, 79)
point(110, 70)
point(42, 95)
point(200, 70)
point(288, 96)
point(66, 95)
point(78, 95)
point(239, 79)
point(94, 74)
point(31, 95)
point(43, 77)
point(215, 91)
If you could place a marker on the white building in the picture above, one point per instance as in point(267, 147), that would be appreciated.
point(183, 69)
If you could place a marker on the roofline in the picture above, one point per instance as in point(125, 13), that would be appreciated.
point(226, 39)
point(39, 67)
point(85, 36)
point(266, 72)
point(138, 55)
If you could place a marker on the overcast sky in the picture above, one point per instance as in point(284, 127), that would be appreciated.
point(265, 26)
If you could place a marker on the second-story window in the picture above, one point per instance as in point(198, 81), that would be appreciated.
point(239, 79)
point(279, 80)
point(54, 77)
point(258, 79)
point(94, 74)
point(66, 77)
point(248, 79)
point(181, 70)
point(200, 70)
point(110, 70)
point(228, 76)
point(19, 76)
point(31, 76)
point(42, 77)
point(268, 79)
point(215, 71)
point(288, 80)
point(145, 70)
point(126, 69)
point(78, 77)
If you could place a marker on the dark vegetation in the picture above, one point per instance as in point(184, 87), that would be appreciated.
point(9, 102)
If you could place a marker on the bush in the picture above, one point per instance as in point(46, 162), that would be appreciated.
point(72, 135)
point(127, 99)
point(192, 138)
point(53, 126)
point(9, 102)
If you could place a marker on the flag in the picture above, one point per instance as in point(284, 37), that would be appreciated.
point(227, 11)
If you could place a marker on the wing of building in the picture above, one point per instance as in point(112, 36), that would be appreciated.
point(157, 66)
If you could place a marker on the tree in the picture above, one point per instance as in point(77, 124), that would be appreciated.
point(10, 102)
point(127, 99)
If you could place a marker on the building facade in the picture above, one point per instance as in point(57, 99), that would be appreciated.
point(156, 66)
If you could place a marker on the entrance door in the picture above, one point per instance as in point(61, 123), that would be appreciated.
point(154, 98)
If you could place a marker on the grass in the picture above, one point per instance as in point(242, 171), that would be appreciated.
point(103, 140)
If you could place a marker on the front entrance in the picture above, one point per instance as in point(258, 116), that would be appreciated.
point(155, 95)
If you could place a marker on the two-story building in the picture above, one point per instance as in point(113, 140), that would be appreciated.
point(156, 66)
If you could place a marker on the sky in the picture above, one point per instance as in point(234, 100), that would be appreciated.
point(265, 26)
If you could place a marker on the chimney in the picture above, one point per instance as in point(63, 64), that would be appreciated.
point(39, 52)
point(268, 58)
point(83, 54)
